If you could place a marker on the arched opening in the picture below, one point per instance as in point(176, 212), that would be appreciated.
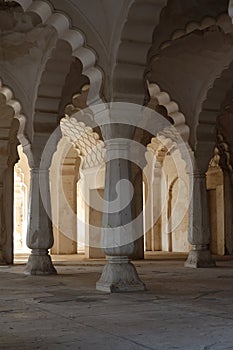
point(21, 204)
point(64, 174)
point(166, 216)
point(12, 124)
point(77, 183)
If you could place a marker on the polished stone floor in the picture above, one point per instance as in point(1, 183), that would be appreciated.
point(183, 308)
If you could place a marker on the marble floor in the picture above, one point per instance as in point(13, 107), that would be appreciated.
point(182, 309)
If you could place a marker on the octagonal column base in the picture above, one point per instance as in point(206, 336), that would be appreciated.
point(200, 257)
point(119, 275)
point(40, 263)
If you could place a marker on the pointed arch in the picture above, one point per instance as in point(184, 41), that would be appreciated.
point(162, 98)
point(70, 46)
point(136, 41)
point(222, 22)
point(139, 45)
point(211, 108)
point(12, 124)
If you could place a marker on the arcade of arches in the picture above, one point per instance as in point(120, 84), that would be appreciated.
point(60, 68)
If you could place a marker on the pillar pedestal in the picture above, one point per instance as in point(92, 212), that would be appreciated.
point(119, 275)
point(199, 256)
point(40, 263)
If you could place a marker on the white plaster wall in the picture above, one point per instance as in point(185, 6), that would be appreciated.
point(91, 181)
point(177, 192)
point(21, 202)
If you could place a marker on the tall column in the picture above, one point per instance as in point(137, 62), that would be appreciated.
point(228, 210)
point(6, 212)
point(138, 210)
point(199, 225)
point(2, 226)
point(157, 206)
point(119, 274)
point(39, 235)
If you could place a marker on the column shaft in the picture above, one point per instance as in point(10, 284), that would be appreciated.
point(39, 235)
point(199, 226)
point(119, 274)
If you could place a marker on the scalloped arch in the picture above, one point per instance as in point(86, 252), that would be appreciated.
point(212, 104)
point(223, 21)
point(162, 98)
point(6, 97)
point(13, 111)
point(136, 41)
point(49, 94)
point(136, 48)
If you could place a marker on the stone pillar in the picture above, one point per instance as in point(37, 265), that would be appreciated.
point(199, 225)
point(93, 232)
point(6, 214)
point(64, 222)
point(157, 206)
point(39, 235)
point(138, 210)
point(2, 226)
point(228, 210)
point(119, 274)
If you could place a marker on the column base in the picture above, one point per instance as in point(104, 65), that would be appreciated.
point(199, 257)
point(40, 263)
point(119, 275)
point(2, 260)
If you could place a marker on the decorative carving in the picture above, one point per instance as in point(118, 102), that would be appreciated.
point(61, 23)
point(90, 147)
point(9, 156)
point(224, 139)
point(161, 98)
point(214, 163)
point(222, 21)
point(224, 155)
point(87, 142)
point(79, 102)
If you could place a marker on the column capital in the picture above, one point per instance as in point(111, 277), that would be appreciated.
point(39, 171)
point(117, 148)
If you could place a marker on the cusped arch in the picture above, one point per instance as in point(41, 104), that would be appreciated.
point(136, 39)
point(211, 106)
point(6, 98)
point(53, 78)
point(161, 98)
point(160, 147)
point(137, 46)
point(12, 123)
point(222, 22)
point(11, 109)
